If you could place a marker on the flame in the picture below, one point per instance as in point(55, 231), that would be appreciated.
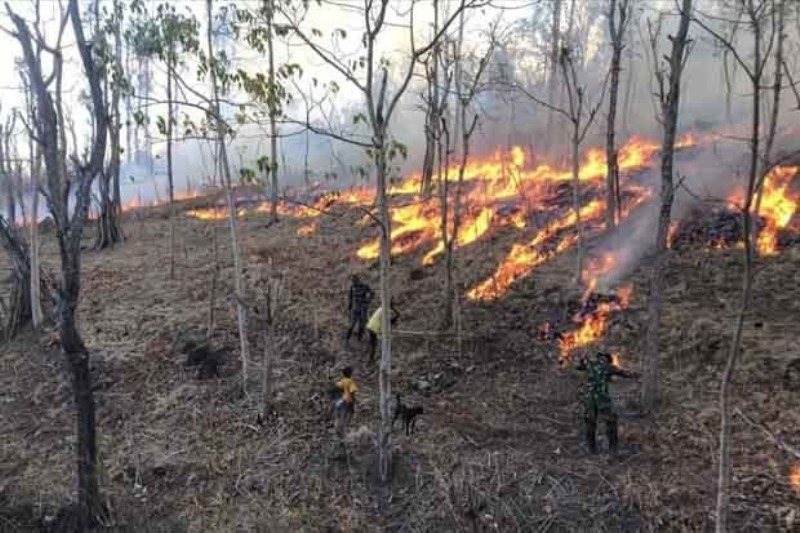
point(522, 259)
point(794, 477)
point(307, 229)
point(592, 327)
point(616, 360)
point(674, 226)
point(778, 206)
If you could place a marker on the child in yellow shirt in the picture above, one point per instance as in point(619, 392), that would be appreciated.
point(345, 407)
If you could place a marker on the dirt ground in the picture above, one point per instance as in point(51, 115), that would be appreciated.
point(499, 446)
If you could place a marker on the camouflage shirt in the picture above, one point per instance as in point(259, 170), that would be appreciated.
point(598, 375)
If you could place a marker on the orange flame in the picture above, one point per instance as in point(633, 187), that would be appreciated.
point(522, 259)
point(778, 206)
point(593, 327)
point(794, 477)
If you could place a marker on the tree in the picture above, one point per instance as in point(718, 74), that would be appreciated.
point(434, 108)
point(619, 13)
point(668, 89)
point(167, 36)
point(756, 16)
point(109, 224)
point(467, 86)
point(260, 32)
point(214, 68)
point(380, 106)
point(580, 114)
point(35, 166)
point(48, 132)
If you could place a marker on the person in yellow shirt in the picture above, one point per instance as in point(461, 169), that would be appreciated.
point(374, 329)
point(345, 407)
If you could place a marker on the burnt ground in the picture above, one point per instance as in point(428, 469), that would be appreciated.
point(498, 448)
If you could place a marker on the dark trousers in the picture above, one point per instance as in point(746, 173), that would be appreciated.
point(358, 321)
point(373, 344)
point(595, 412)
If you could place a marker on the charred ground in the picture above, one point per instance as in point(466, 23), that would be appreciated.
point(498, 448)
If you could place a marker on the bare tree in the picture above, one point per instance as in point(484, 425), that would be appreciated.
point(668, 88)
point(619, 13)
point(48, 131)
point(756, 16)
point(222, 131)
point(434, 108)
point(580, 114)
point(380, 107)
point(110, 62)
point(35, 166)
point(466, 89)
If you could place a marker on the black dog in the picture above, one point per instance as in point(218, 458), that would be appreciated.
point(407, 414)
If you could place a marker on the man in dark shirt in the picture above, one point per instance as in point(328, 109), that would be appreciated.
point(358, 307)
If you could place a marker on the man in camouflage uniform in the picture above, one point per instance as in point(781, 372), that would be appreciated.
point(597, 401)
point(358, 307)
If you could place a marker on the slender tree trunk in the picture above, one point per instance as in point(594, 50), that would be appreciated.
point(669, 118)
point(241, 311)
point(273, 112)
point(306, 176)
point(552, 78)
point(117, 158)
point(775, 112)
point(170, 182)
point(616, 25)
point(724, 476)
point(36, 297)
point(576, 195)
point(385, 374)
point(444, 177)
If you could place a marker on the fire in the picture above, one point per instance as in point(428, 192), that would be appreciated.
point(778, 206)
point(522, 259)
point(674, 226)
point(794, 477)
point(308, 229)
point(592, 327)
point(616, 360)
point(467, 235)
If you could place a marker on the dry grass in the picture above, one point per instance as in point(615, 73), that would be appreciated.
point(499, 447)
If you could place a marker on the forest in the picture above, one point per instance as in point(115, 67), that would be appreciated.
point(400, 265)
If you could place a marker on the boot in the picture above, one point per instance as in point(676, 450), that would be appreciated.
point(613, 436)
point(591, 436)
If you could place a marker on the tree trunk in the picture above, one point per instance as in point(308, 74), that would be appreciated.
point(444, 178)
point(88, 486)
point(273, 112)
point(385, 375)
point(555, 47)
point(669, 118)
point(238, 274)
point(36, 297)
point(576, 195)
point(724, 475)
point(612, 172)
point(170, 183)
point(306, 176)
point(266, 376)
point(775, 112)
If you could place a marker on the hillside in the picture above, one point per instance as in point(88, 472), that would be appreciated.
point(499, 447)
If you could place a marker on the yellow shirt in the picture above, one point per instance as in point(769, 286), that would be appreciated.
point(374, 324)
point(348, 387)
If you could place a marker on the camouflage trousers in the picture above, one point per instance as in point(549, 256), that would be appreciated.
point(600, 409)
